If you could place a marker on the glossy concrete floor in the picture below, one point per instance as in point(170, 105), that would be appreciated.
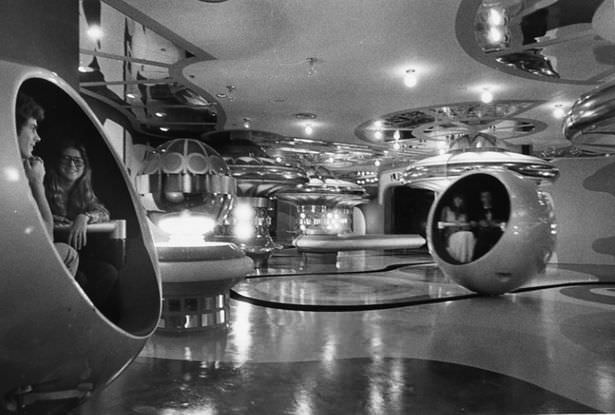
point(541, 350)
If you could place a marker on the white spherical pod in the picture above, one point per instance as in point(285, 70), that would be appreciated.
point(515, 251)
point(57, 348)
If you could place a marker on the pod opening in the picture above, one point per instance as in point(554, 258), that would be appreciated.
point(116, 270)
point(469, 218)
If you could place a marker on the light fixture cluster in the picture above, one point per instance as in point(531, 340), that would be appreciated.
point(491, 27)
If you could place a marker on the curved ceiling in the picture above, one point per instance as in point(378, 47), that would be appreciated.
point(362, 50)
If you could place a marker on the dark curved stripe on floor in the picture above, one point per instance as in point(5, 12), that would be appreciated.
point(561, 285)
point(419, 300)
point(390, 267)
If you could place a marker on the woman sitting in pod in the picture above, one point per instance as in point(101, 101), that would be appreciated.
point(457, 235)
point(74, 205)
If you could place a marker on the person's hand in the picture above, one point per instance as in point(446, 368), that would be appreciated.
point(35, 169)
point(77, 236)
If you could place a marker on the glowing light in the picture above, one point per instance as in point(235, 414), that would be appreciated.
point(309, 129)
point(495, 17)
point(95, 32)
point(165, 129)
point(378, 135)
point(396, 135)
point(559, 112)
point(243, 212)
point(486, 96)
point(186, 229)
point(160, 114)
point(243, 231)
point(378, 124)
point(495, 35)
point(410, 79)
point(131, 95)
point(85, 69)
point(246, 123)
point(377, 163)
point(396, 146)
point(278, 159)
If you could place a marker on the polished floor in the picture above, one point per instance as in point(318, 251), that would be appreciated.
point(384, 334)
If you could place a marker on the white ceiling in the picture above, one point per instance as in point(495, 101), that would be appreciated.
point(362, 47)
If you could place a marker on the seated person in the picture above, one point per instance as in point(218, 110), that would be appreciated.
point(489, 225)
point(74, 204)
point(28, 115)
point(459, 239)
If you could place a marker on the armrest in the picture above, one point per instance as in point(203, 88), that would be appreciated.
point(114, 229)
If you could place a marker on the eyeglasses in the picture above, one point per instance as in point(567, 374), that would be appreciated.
point(77, 161)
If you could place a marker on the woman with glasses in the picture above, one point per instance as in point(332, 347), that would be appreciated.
point(70, 194)
point(74, 204)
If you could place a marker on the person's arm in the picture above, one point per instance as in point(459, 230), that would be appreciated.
point(35, 172)
point(97, 213)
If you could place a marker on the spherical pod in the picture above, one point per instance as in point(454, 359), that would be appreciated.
point(492, 231)
point(57, 347)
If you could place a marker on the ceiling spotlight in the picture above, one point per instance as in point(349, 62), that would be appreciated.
point(85, 69)
point(396, 135)
point(378, 135)
point(246, 123)
point(396, 145)
point(495, 35)
point(94, 32)
point(160, 114)
point(308, 129)
point(330, 159)
point(495, 17)
point(378, 124)
point(377, 163)
point(558, 111)
point(131, 95)
point(278, 159)
point(486, 96)
point(410, 79)
point(165, 129)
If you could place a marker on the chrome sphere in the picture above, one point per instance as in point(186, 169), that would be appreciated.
point(186, 174)
point(505, 256)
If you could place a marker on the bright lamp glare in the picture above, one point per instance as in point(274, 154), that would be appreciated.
point(486, 97)
point(95, 32)
point(309, 130)
point(495, 17)
point(410, 79)
point(243, 231)
point(378, 135)
point(495, 35)
point(558, 112)
point(187, 229)
point(243, 212)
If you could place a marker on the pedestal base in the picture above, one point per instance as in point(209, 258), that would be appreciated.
point(196, 283)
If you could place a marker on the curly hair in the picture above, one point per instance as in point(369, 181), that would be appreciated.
point(81, 198)
point(27, 108)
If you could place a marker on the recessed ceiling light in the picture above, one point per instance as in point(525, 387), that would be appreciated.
point(396, 135)
point(160, 114)
point(558, 111)
point(165, 129)
point(378, 124)
point(85, 69)
point(486, 96)
point(131, 95)
point(95, 32)
point(309, 130)
point(396, 145)
point(278, 159)
point(410, 79)
point(246, 123)
point(378, 135)
point(377, 163)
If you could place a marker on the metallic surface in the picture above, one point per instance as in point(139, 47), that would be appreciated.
point(56, 346)
point(521, 252)
point(590, 116)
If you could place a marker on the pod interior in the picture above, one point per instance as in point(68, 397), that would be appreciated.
point(135, 300)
